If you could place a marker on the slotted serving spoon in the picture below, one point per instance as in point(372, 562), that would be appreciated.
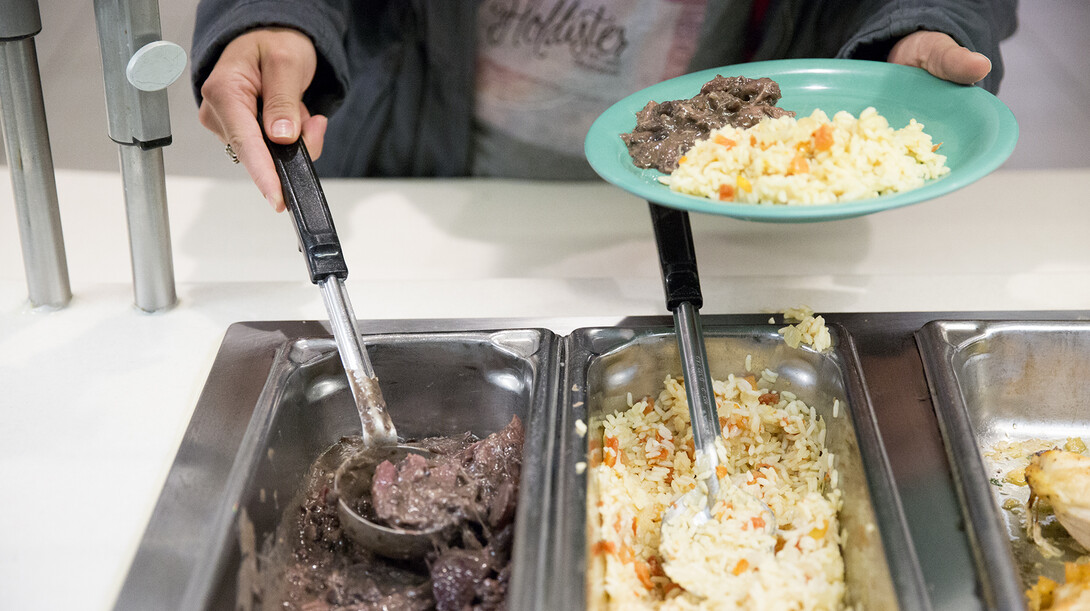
point(321, 248)
point(681, 283)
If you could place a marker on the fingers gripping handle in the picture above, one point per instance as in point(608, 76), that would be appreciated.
point(304, 198)
point(677, 256)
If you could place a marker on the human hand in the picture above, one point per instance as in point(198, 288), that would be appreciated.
point(941, 56)
point(274, 65)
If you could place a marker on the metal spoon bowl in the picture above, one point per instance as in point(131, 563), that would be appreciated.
point(695, 505)
point(679, 509)
point(688, 520)
point(352, 481)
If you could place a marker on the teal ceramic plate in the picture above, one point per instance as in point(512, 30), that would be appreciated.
point(977, 131)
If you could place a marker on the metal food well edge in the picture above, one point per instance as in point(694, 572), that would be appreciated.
point(1001, 588)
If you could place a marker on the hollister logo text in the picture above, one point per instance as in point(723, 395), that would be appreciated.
point(593, 38)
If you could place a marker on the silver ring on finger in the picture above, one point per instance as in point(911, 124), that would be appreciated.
point(230, 152)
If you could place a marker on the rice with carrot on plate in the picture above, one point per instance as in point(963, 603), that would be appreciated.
point(809, 160)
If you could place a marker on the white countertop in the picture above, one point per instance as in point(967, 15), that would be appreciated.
point(96, 396)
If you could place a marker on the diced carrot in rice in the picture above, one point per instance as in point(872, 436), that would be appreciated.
point(726, 192)
point(722, 140)
point(823, 137)
point(643, 573)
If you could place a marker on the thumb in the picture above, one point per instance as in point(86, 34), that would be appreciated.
point(960, 65)
point(940, 55)
point(280, 115)
point(283, 80)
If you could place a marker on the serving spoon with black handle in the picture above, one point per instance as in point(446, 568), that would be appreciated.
point(321, 248)
point(681, 283)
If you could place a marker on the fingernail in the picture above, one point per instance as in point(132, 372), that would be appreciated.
point(271, 200)
point(282, 128)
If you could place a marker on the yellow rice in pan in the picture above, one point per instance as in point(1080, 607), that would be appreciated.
point(773, 447)
point(811, 160)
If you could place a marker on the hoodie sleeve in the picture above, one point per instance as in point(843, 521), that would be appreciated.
point(979, 25)
point(868, 29)
point(218, 22)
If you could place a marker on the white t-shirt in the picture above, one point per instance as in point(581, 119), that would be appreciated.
point(547, 68)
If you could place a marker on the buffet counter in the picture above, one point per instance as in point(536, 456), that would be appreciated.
point(98, 395)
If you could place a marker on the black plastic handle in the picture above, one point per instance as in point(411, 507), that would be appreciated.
point(677, 256)
point(304, 198)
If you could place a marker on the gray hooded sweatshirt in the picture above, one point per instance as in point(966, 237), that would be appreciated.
point(395, 77)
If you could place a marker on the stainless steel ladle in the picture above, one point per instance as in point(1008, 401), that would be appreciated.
point(321, 247)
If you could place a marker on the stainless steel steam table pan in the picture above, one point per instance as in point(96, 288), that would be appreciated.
point(434, 383)
point(1001, 388)
point(604, 366)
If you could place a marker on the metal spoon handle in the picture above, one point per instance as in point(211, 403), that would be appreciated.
point(376, 427)
point(321, 247)
point(698, 384)
point(342, 320)
point(681, 283)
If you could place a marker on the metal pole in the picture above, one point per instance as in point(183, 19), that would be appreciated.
point(149, 228)
point(22, 116)
point(137, 67)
